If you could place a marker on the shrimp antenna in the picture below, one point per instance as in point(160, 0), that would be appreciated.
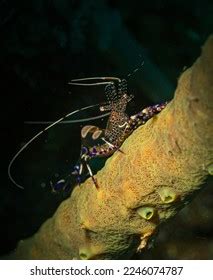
point(135, 70)
point(70, 121)
point(109, 80)
point(97, 78)
point(36, 136)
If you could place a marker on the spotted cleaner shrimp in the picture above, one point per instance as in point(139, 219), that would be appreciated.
point(95, 141)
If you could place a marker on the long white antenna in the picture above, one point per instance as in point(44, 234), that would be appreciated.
point(97, 78)
point(70, 121)
point(90, 84)
point(78, 82)
point(36, 136)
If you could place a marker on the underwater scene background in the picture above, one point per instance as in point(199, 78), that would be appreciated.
point(44, 45)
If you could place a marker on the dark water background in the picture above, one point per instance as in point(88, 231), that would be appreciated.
point(45, 44)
